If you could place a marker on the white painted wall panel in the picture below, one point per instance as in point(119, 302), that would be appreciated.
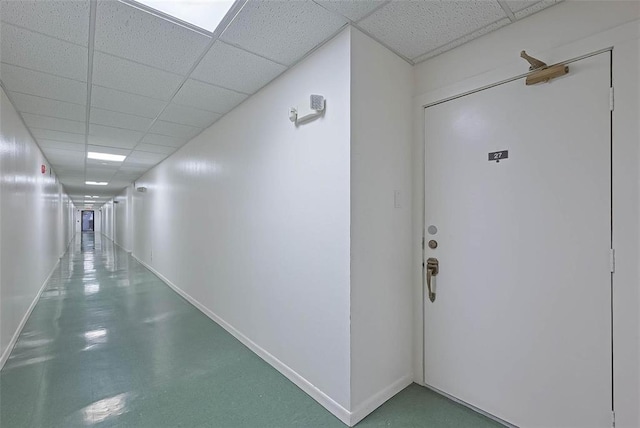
point(251, 219)
point(34, 223)
point(564, 31)
point(381, 306)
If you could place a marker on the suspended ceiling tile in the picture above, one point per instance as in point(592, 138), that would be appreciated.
point(236, 69)
point(125, 102)
point(163, 140)
point(54, 123)
point(66, 20)
point(138, 157)
point(152, 148)
point(47, 134)
point(47, 107)
point(42, 53)
point(119, 120)
point(135, 34)
point(64, 157)
point(413, 28)
point(464, 39)
point(61, 145)
point(31, 82)
point(100, 135)
point(189, 116)
point(174, 130)
point(133, 168)
point(530, 9)
point(207, 97)
point(128, 76)
point(280, 30)
point(518, 5)
point(354, 10)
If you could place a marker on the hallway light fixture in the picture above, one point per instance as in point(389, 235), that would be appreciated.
point(96, 183)
point(105, 156)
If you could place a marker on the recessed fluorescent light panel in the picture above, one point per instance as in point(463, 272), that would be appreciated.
point(205, 14)
point(105, 156)
point(87, 196)
point(96, 183)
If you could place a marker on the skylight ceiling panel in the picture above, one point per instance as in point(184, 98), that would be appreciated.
point(63, 19)
point(354, 10)
point(36, 83)
point(48, 107)
point(54, 123)
point(152, 148)
point(414, 28)
point(163, 140)
point(237, 69)
point(131, 33)
point(120, 120)
point(125, 102)
point(61, 145)
point(207, 97)
point(175, 130)
point(129, 76)
point(47, 134)
point(283, 31)
point(43, 53)
point(189, 116)
point(100, 135)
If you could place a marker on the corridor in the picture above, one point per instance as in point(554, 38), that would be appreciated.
point(109, 344)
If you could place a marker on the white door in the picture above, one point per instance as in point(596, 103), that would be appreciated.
point(521, 323)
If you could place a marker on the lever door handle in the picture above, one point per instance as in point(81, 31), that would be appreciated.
point(432, 270)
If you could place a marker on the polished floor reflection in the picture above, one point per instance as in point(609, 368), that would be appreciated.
point(109, 344)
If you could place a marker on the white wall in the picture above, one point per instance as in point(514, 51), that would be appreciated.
point(35, 216)
point(251, 219)
point(555, 34)
point(381, 294)
point(122, 218)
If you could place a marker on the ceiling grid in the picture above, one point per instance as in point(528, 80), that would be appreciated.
point(117, 76)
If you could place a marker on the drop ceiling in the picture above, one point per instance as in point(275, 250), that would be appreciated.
point(113, 76)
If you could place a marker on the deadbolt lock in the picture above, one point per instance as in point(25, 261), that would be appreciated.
point(433, 244)
point(432, 270)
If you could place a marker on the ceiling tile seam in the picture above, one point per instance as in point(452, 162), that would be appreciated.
point(128, 93)
point(251, 52)
point(42, 34)
point(359, 28)
point(140, 63)
point(165, 16)
point(425, 56)
point(47, 98)
point(92, 35)
point(218, 86)
point(507, 10)
point(55, 117)
point(4, 88)
point(43, 72)
point(56, 130)
point(374, 10)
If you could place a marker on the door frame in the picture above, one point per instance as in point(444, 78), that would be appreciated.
point(423, 110)
point(82, 220)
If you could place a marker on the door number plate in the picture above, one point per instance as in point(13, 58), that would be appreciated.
point(498, 156)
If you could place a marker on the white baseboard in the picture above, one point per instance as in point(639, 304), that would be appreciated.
point(379, 399)
point(327, 402)
point(14, 338)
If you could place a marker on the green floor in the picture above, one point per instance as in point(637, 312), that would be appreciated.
point(109, 344)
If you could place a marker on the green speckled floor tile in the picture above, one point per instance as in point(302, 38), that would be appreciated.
point(110, 345)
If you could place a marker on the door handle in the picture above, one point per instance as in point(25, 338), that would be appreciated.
point(432, 270)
